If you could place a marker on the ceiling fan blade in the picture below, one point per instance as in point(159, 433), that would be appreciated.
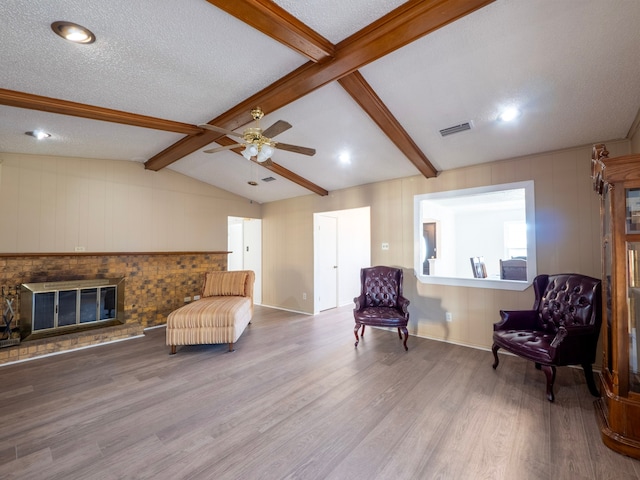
point(226, 147)
point(296, 149)
point(276, 129)
point(220, 130)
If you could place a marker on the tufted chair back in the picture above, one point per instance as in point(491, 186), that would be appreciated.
point(566, 300)
point(381, 286)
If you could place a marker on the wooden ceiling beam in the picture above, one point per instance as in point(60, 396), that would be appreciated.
point(64, 107)
point(407, 23)
point(278, 169)
point(274, 21)
point(366, 97)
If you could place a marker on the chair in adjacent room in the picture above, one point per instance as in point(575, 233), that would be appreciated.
point(561, 329)
point(381, 303)
point(513, 269)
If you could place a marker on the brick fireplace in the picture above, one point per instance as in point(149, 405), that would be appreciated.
point(156, 283)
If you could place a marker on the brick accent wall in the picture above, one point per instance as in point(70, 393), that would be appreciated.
point(155, 285)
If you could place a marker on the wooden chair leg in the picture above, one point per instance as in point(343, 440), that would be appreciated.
point(496, 361)
point(355, 332)
point(406, 335)
point(173, 350)
point(588, 375)
point(550, 373)
point(399, 333)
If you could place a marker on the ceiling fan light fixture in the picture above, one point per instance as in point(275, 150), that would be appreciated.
point(73, 32)
point(249, 151)
point(265, 153)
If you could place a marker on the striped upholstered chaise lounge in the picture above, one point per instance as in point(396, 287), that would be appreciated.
point(221, 314)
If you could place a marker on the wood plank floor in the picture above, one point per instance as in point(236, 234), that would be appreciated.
point(296, 400)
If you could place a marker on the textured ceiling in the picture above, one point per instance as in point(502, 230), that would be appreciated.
point(570, 65)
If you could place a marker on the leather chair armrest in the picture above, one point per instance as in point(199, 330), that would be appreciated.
point(359, 301)
point(560, 336)
point(403, 303)
point(516, 320)
point(570, 337)
point(571, 331)
point(579, 330)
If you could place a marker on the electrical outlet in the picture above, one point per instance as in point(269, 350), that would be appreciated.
point(196, 297)
point(385, 246)
point(79, 249)
point(304, 296)
point(448, 317)
point(187, 299)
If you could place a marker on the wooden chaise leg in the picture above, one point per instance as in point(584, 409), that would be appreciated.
point(550, 373)
point(173, 350)
point(231, 346)
point(496, 361)
point(588, 375)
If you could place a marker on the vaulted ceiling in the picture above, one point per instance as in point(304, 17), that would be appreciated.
point(375, 79)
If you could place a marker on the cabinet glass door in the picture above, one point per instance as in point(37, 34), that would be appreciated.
point(633, 255)
point(608, 268)
point(633, 210)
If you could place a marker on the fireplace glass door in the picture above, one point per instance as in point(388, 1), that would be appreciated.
point(69, 306)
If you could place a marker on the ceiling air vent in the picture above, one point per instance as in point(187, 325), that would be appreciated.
point(455, 129)
point(268, 179)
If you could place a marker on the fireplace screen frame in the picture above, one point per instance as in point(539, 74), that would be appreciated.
point(56, 308)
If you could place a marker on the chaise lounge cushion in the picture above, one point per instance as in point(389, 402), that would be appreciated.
point(210, 320)
point(227, 283)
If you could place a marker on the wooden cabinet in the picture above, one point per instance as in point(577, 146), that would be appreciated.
point(617, 181)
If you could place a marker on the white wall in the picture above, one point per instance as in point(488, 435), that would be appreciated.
point(56, 204)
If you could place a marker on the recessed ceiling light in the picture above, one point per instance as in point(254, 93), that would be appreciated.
point(73, 32)
point(39, 134)
point(253, 183)
point(345, 158)
point(509, 114)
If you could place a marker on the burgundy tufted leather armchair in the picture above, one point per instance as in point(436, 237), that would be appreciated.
point(381, 303)
point(561, 329)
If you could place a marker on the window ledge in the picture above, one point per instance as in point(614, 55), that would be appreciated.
point(495, 284)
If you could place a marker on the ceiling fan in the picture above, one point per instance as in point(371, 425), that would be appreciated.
point(256, 142)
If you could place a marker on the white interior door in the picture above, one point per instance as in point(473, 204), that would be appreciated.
point(327, 238)
point(252, 253)
point(245, 243)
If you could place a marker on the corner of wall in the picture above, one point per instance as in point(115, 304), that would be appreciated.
point(634, 134)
